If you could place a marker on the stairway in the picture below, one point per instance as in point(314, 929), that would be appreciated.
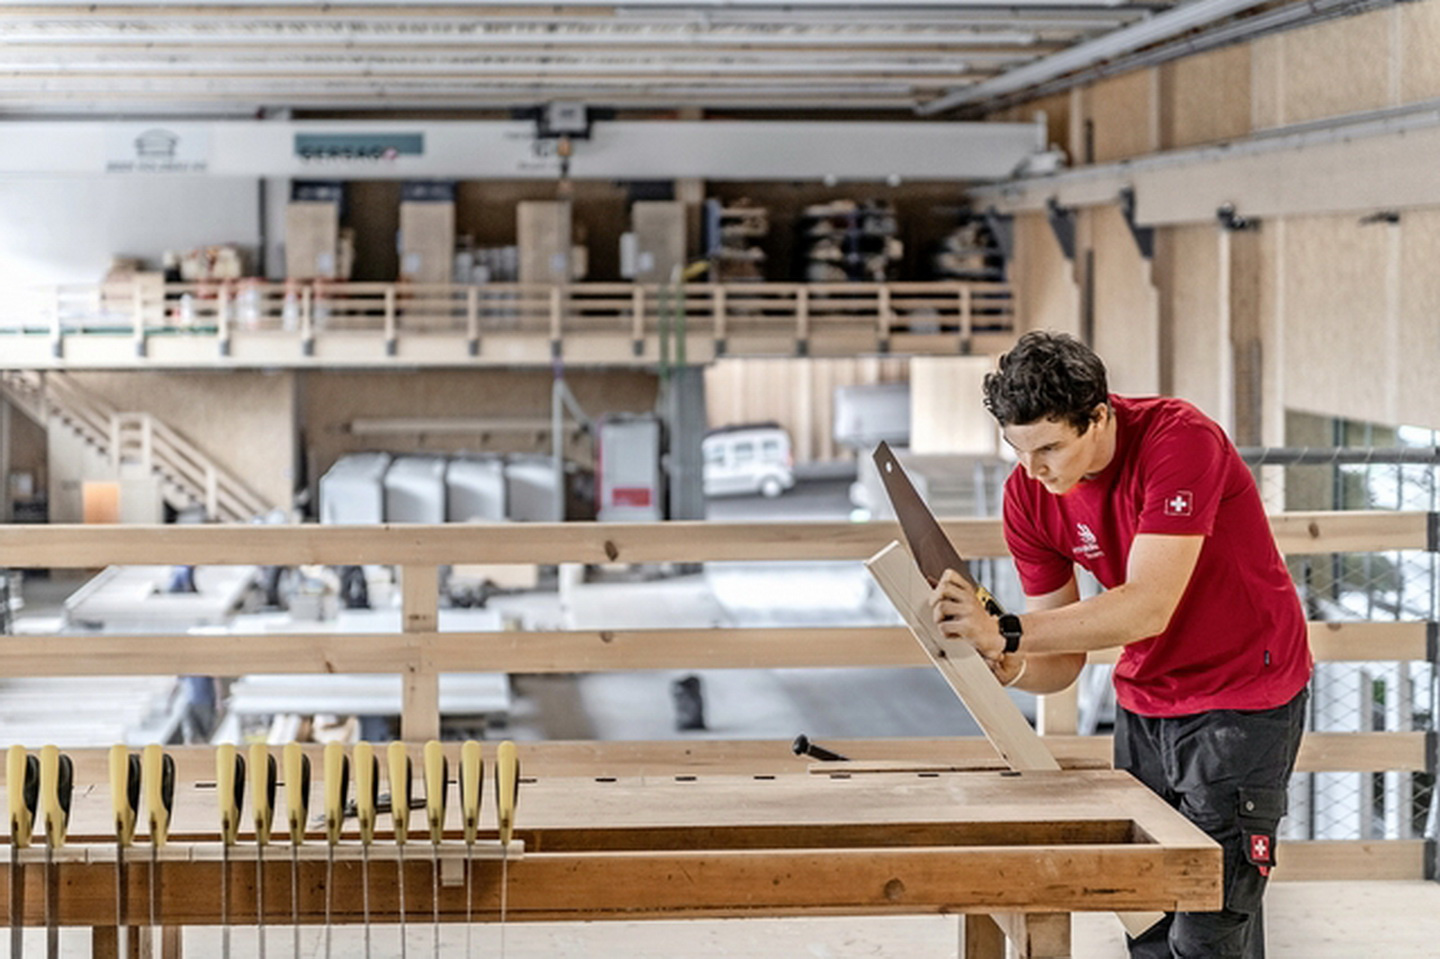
point(188, 477)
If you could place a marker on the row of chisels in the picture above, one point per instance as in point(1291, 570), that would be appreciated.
point(142, 796)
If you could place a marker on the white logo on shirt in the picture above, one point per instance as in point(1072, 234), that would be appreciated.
point(1180, 504)
point(1089, 547)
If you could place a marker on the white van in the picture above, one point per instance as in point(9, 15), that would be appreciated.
point(748, 459)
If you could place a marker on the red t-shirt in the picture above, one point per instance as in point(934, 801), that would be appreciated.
point(1238, 638)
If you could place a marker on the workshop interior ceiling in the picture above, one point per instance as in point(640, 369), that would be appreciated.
point(240, 56)
point(243, 57)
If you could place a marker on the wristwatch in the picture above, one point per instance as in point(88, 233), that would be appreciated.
point(1011, 629)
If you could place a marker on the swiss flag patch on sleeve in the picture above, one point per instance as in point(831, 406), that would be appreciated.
point(1180, 503)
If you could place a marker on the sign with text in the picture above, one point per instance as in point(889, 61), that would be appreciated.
point(158, 148)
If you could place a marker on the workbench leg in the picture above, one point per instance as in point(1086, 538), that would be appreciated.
point(983, 938)
point(1037, 935)
point(171, 943)
point(105, 943)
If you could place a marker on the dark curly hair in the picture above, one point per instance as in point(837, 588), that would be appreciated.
point(1047, 376)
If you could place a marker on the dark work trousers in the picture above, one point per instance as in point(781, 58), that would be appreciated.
point(1226, 771)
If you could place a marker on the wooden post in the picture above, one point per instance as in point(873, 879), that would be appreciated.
point(637, 314)
point(472, 319)
point(982, 938)
point(717, 311)
point(137, 306)
point(307, 321)
point(1037, 935)
point(885, 317)
point(420, 706)
point(222, 317)
point(1058, 714)
point(390, 332)
point(967, 317)
point(802, 321)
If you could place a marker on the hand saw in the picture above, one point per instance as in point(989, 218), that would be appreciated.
point(931, 548)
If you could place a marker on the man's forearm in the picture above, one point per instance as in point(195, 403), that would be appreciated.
point(1113, 618)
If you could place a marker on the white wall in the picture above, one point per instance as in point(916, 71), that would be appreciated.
point(65, 230)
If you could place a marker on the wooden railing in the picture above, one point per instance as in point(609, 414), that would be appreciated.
point(420, 653)
point(784, 318)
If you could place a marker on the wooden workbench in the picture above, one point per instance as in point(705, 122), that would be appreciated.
point(673, 846)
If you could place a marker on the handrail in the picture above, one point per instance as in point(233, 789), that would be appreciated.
point(148, 441)
point(75, 546)
point(387, 310)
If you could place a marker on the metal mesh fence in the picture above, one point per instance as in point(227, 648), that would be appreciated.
point(1393, 586)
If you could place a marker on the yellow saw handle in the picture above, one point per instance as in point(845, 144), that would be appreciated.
point(22, 783)
point(157, 775)
point(337, 784)
point(472, 774)
point(367, 789)
point(262, 791)
point(124, 792)
point(229, 791)
point(437, 782)
point(57, 778)
point(297, 790)
point(398, 761)
point(507, 788)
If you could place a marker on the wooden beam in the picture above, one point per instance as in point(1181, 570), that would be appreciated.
point(62, 546)
point(968, 675)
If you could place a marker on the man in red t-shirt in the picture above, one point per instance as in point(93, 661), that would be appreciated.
point(1151, 497)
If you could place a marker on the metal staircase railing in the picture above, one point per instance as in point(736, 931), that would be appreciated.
point(188, 476)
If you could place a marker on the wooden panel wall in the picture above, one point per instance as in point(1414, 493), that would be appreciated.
point(1336, 357)
point(330, 401)
point(1122, 111)
point(1418, 26)
point(798, 394)
point(1418, 340)
point(1205, 98)
point(947, 415)
point(1343, 66)
point(1127, 324)
point(1192, 305)
point(243, 420)
point(1044, 281)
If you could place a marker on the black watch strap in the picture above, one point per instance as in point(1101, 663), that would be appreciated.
point(1011, 629)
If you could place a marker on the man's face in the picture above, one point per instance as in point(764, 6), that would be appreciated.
point(1057, 455)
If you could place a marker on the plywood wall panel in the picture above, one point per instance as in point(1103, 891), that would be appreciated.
point(243, 421)
point(799, 394)
point(1206, 98)
point(1338, 67)
point(1192, 293)
point(1419, 28)
point(1267, 73)
point(1334, 303)
point(1419, 327)
point(1044, 281)
point(1122, 111)
point(1127, 328)
point(947, 414)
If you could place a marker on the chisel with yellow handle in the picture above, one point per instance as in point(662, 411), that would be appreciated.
point(472, 775)
point(297, 807)
point(401, 780)
point(367, 797)
point(57, 777)
point(262, 802)
point(230, 795)
point(507, 793)
point(157, 776)
point(125, 804)
point(22, 783)
point(437, 782)
point(337, 785)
